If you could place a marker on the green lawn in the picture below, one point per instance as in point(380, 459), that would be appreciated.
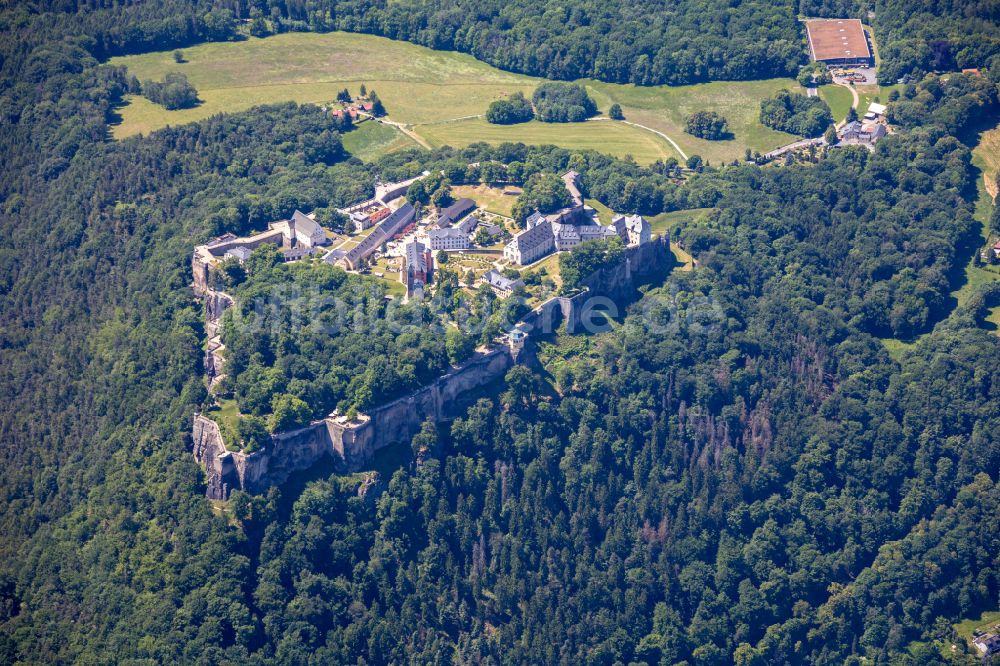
point(604, 214)
point(369, 141)
point(227, 415)
point(608, 137)
point(665, 221)
point(435, 92)
point(838, 98)
point(665, 108)
point(491, 199)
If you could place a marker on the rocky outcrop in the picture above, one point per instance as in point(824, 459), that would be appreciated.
point(216, 303)
point(210, 451)
point(351, 444)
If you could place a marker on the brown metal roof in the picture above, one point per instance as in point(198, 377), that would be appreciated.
point(837, 39)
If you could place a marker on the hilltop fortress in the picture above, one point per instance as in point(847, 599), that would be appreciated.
point(351, 443)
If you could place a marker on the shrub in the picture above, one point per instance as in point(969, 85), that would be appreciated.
point(615, 112)
point(707, 125)
point(174, 92)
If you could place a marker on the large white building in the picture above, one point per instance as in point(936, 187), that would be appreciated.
point(305, 231)
point(632, 229)
point(451, 238)
point(568, 227)
point(531, 244)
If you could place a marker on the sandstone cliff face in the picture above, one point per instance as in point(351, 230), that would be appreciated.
point(216, 303)
point(210, 451)
point(351, 445)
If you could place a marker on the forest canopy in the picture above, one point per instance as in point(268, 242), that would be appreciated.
point(560, 102)
point(751, 480)
point(796, 113)
point(514, 109)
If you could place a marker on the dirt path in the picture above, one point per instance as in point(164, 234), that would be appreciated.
point(854, 104)
point(648, 129)
point(405, 130)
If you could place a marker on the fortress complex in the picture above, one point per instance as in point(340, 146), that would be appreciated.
point(568, 227)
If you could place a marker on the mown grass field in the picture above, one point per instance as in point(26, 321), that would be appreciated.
point(608, 137)
point(838, 98)
point(437, 93)
point(491, 199)
point(665, 108)
point(370, 140)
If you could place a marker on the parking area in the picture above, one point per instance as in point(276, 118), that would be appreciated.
point(859, 76)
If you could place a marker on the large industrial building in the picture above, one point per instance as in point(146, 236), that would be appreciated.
point(839, 42)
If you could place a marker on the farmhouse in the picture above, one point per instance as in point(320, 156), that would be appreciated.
point(987, 644)
point(839, 42)
point(856, 132)
point(875, 111)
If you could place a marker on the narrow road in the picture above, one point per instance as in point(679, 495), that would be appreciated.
point(777, 152)
point(648, 129)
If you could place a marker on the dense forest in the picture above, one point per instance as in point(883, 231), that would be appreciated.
point(623, 42)
point(737, 473)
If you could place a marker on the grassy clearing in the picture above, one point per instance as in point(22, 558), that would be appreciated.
point(869, 94)
point(491, 199)
point(604, 214)
point(838, 98)
point(436, 92)
point(605, 136)
point(369, 141)
point(665, 108)
point(665, 221)
point(986, 621)
point(682, 257)
point(551, 266)
point(988, 156)
point(227, 415)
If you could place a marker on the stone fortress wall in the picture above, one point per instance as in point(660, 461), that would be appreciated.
point(352, 444)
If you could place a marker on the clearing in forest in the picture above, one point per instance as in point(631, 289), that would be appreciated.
point(439, 95)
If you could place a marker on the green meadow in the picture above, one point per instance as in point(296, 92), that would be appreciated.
point(439, 96)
